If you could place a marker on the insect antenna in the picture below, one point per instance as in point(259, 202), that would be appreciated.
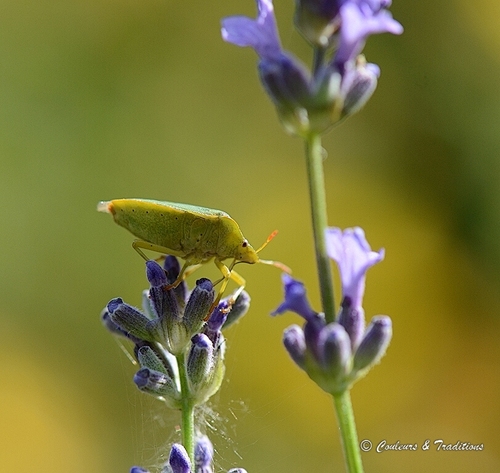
point(279, 265)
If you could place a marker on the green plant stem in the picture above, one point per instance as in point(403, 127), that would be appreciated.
point(314, 158)
point(187, 410)
point(343, 405)
point(347, 425)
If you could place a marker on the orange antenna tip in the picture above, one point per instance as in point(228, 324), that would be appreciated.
point(269, 238)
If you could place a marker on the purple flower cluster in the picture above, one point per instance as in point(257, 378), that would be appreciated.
point(337, 354)
point(170, 329)
point(313, 101)
point(179, 461)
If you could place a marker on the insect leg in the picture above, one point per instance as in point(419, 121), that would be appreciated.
point(227, 274)
point(137, 244)
point(186, 269)
point(192, 268)
point(238, 279)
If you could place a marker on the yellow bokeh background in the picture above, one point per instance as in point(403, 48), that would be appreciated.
point(106, 99)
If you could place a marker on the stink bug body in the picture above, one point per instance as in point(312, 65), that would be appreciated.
point(195, 234)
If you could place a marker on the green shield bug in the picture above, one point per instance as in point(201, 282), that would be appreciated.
point(195, 234)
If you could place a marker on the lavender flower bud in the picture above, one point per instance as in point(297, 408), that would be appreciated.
point(353, 321)
point(155, 274)
point(110, 325)
point(295, 344)
point(313, 336)
point(167, 314)
point(205, 367)
point(200, 361)
point(138, 469)
point(115, 329)
point(155, 357)
point(218, 317)
point(147, 308)
point(179, 459)
point(129, 319)
point(336, 351)
point(163, 303)
point(158, 384)
point(198, 305)
point(358, 86)
point(214, 324)
point(147, 358)
point(317, 20)
point(203, 454)
point(374, 344)
point(286, 82)
point(327, 355)
point(179, 331)
point(238, 310)
point(172, 269)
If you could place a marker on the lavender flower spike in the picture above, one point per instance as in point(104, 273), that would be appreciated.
point(286, 80)
point(353, 255)
point(312, 101)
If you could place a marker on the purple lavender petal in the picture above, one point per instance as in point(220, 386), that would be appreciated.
point(295, 299)
point(353, 255)
point(260, 34)
point(359, 19)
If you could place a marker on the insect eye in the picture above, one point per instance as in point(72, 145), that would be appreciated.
point(244, 244)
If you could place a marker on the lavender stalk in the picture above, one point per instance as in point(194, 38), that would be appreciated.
point(334, 351)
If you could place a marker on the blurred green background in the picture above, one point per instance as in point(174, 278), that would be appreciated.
point(106, 99)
